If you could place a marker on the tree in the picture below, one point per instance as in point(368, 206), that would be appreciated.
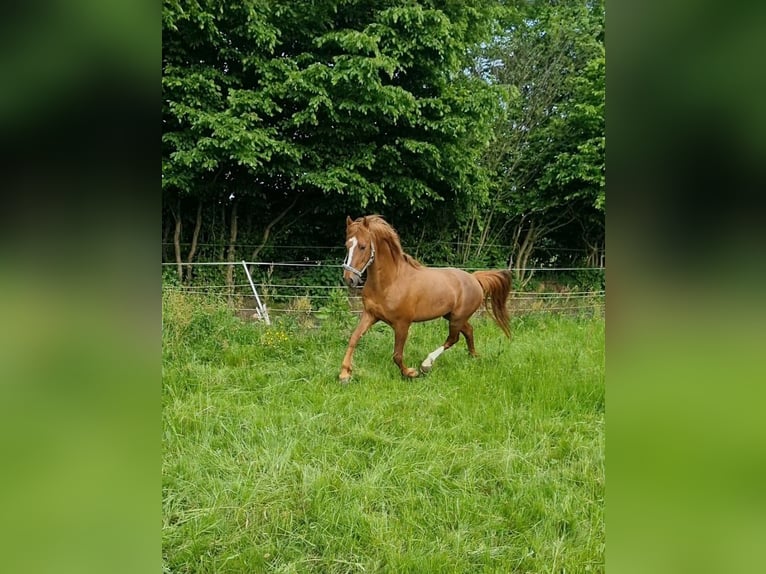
point(322, 107)
point(546, 163)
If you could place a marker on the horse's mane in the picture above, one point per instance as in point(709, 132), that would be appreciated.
point(383, 232)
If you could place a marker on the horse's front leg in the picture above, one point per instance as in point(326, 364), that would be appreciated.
point(401, 331)
point(367, 321)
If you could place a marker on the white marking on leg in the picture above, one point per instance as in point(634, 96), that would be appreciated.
point(429, 362)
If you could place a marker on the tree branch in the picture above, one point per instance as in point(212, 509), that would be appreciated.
point(195, 237)
point(267, 230)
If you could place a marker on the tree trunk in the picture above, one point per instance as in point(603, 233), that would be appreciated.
point(166, 228)
point(521, 251)
point(223, 228)
point(596, 256)
point(464, 248)
point(177, 239)
point(420, 242)
point(195, 237)
point(232, 251)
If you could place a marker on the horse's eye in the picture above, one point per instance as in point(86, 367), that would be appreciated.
point(362, 247)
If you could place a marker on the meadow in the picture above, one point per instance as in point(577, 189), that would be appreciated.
point(487, 464)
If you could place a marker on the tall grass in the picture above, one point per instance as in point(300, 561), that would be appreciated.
point(493, 464)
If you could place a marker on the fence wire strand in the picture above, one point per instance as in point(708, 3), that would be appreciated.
point(320, 264)
point(518, 305)
point(283, 297)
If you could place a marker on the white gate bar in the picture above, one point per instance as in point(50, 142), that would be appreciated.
point(262, 312)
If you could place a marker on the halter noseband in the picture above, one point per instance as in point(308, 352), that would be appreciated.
point(358, 273)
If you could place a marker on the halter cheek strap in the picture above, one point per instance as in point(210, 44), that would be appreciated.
point(347, 264)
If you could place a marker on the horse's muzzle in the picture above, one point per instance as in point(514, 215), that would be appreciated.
point(352, 280)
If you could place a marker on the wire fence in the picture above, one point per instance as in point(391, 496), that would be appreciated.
point(298, 295)
point(338, 265)
point(406, 247)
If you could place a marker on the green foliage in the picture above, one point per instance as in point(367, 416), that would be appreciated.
point(546, 164)
point(170, 277)
point(593, 279)
point(195, 318)
point(336, 309)
point(494, 464)
point(579, 166)
point(571, 140)
point(481, 122)
point(366, 101)
point(581, 280)
point(323, 275)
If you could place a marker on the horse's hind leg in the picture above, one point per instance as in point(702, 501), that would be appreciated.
point(455, 329)
point(467, 332)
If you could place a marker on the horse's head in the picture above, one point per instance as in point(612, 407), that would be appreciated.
point(360, 251)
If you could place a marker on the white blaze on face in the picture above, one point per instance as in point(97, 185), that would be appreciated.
point(352, 244)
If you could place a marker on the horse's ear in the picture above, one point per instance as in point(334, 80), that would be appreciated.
point(348, 221)
point(366, 222)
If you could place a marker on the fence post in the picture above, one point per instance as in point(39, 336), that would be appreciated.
point(262, 312)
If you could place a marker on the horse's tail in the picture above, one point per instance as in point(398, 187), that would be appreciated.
point(496, 286)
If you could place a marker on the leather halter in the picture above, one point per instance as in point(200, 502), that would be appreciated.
point(357, 272)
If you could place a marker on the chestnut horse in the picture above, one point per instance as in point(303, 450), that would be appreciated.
point(399, 291)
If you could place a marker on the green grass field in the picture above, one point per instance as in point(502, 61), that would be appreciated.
point(493, 464)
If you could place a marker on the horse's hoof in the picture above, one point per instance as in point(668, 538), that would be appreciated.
point(425, 368)
point(411, 373)
point(344, 380)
